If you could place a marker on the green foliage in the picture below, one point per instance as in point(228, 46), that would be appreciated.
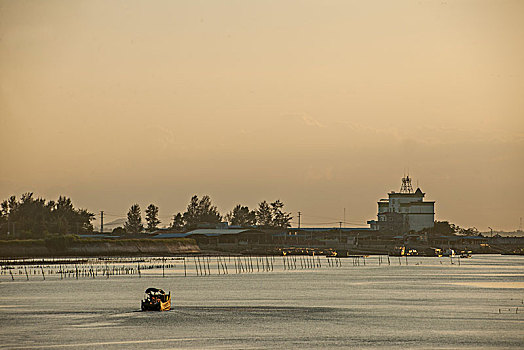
point(178, 222)
point(134, 220)
point(241, 216)
point(201, 212)
point(152, 218)
point(119, 231)
point(59, 243)
point(22, 242)
point(445, 228)
point(472, 231)
point(264, 215)
point(272, 216)
point(32, 217)
point(281, 219)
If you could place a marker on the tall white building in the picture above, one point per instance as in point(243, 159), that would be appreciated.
point(404, 211)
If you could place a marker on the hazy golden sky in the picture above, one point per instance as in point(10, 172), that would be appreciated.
point(323, 104)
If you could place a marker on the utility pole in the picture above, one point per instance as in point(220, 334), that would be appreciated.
point(520, 225)
point(491, 231)
point(299, 213)
point(340, 232)
point(101, 221)
point(344, 217)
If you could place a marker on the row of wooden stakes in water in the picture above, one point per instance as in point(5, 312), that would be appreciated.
point(76, 272)
point(202, 265)
point(509, 310)
point(293, 262)
point(249, 264)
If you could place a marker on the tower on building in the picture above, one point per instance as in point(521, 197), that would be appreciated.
point(404, 211)
point(406, 185)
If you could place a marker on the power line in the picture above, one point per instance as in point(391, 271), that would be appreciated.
point(109, 214)
point(321, 217)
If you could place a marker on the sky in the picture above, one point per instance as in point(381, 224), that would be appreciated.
point(324, 105)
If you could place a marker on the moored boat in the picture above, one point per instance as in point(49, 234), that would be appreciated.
point(449, 252)
point(465, 254)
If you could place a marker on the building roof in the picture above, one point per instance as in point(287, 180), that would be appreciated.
point(171, 235)
point(418, 193)
point(322, 229)
point(219, 232)
point(208, 232)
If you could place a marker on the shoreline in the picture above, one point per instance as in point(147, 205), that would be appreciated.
point(96, 248)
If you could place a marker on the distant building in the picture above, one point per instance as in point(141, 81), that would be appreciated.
point(221, 236)
point(404, 211)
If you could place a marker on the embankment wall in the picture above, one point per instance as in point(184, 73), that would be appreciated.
point(128, 247)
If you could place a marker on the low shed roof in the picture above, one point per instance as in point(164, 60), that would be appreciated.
point(208, 232)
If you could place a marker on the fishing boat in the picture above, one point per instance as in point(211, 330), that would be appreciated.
point(465, 254)
point(449, 252)
point(156, 300)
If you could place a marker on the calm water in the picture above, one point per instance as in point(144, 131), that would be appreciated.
point(427, 304)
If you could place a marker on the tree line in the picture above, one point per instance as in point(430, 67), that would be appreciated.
point(30, 217)
point(446, 228)
point(201, 212)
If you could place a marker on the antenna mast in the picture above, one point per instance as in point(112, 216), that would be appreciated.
point(406, 185)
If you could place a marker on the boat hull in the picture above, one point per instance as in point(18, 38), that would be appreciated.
point(157, 306)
